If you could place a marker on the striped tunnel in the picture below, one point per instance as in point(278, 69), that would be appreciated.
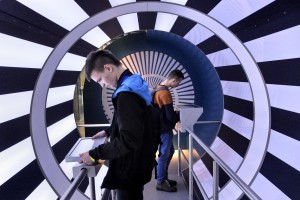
point(30, 30)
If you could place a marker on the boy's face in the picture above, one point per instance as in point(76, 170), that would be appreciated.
point(105, 78)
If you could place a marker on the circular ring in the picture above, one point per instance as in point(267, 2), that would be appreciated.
point(261, 128)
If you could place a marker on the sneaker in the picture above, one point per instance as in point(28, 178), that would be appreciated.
point(165, 186)
point(172, 182)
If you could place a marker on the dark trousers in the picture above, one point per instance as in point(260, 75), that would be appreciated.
point(130, 194)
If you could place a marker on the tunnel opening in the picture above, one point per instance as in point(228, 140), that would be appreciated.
point(153, 54)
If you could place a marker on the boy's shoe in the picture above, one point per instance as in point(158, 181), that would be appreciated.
point(172, 182)
point(165, 186)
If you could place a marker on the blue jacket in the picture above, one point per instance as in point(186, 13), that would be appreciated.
point(136, 84)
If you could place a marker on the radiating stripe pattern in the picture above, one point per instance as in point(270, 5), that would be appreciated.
point(154, 67)
point(269, 29)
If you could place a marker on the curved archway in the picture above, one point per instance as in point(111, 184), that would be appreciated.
point(261, 129)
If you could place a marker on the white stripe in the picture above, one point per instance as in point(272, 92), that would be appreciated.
point(18, 104)
point(238, 9)
point(16, 52)
point(227, 154)
point(42, 192)
point(68, 15)
point(198, 34)
point(59, 95)
point(55, 132)
point(165, 21)
point(15, 158)
point(236, 89)
point(15, 162)
point(98, 182)
point(204, 177)
point(281, 96)
point(290, 153)
point(239, 124)
point(128, 22)
point(285, 97)
point(267, 190)
point(275, 46)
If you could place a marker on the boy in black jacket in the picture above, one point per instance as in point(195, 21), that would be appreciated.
point(128, 152)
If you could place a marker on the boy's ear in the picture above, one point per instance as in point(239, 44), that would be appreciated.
point(108, 67)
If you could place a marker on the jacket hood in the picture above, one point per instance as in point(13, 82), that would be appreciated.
point(135, 84)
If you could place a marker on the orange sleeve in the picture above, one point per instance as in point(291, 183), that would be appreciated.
point(163, 97)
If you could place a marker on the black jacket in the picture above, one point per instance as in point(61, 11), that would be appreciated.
point(129, 153)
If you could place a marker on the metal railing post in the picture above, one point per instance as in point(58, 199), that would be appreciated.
point(113, 195)
point(190, 167)
point(92, 188)
point(179, 153)
point(216, 180)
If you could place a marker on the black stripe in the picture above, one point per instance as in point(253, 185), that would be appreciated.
point(204, 6)
point(147, 20)
point(14, 131)
point(17, 20)
point(283, 176)
point(182, 26)
point(62, 148)
point(244, 197)
point(281, 72)
point(58, 112)
point(232, 73)
point(233, 139)
point(111, 27)
point(64, 78)
point(277, 16)
point(21, 185)
point(285, 122)
point(239, 106)
point(196, 192)
point(13, 79)
point(208, 162)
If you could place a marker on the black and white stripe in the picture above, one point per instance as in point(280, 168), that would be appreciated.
point(269, 29)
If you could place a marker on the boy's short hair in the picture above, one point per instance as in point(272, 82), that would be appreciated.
point(177, 74)
point(104, 56)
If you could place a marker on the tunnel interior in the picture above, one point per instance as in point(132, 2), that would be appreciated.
point(153, 54)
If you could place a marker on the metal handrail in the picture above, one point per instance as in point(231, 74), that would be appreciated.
point(219, 162)
point(74, 185)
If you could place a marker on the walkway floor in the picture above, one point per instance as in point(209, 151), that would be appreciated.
point(150, 193)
